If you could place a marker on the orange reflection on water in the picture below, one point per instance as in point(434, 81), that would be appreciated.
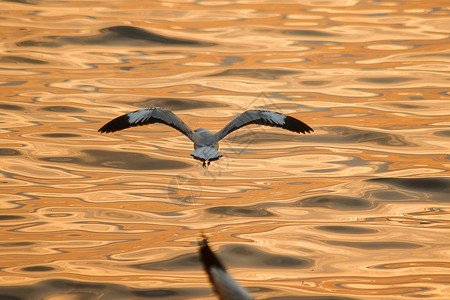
point(358, 209)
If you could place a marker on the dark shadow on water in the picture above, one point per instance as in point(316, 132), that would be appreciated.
point(443, 133)
point(183, 262)
point(21, 60)
point(10, 106)
point(13, 83)
point(346, 229)
point(336, 135)
point(264, 74)
point(31, 2)
point(385, 80)
point(60, 135)
point(375, 245)
point(323, 170)
point(9, 152)
point(311, 298)
point(410, 264)
point(238, 211)
point(69, 289)
point(119, 160)
point(337, 202)
point(177, 103)
point(114, 36)
point(38, 269)
point(407, 106)
point(10, 217)
point(15, 244)
point(325, 201)
point(315, 82)
point(156, 293)
point(432, 188)
point(345, 135)
point(232, 255)
point(63, 109)
point(9, 297)
point(308, 32)
point(390, 195)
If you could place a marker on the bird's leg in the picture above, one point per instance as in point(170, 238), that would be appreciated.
point(204, 164)
point(209, 162)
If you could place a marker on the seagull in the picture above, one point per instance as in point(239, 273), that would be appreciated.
point(205, 142)
point(224, 285)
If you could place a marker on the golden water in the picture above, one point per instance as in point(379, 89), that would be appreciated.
point(357, 210)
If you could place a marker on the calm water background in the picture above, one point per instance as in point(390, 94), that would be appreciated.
point(357, 210)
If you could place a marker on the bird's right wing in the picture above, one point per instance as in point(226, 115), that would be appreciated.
point(147, 116)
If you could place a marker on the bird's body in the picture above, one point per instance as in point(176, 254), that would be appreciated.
point(205, 142)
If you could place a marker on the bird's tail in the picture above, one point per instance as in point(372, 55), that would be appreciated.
point(206, 154)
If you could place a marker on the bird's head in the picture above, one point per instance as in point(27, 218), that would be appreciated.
point(200, 130)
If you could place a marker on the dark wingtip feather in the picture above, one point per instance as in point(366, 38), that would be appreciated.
point(116, 124)
point(296, 125)
point(207, 257)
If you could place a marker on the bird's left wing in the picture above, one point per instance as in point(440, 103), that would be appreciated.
point(263, 117)
point(147, 116)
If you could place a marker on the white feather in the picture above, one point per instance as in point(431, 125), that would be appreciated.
point(226, 286)
point(274, 117)
point(137, 116)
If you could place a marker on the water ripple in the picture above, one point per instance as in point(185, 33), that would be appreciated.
point(113, 36)
point(357, 209)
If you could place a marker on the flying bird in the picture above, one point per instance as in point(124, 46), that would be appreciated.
point(205, 142)
point(224, 285)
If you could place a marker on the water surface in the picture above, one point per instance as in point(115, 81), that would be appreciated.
point(356, 210)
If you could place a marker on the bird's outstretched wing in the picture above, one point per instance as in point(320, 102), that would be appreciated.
point(224, 285)
point(147, 116)
point(263, 117)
